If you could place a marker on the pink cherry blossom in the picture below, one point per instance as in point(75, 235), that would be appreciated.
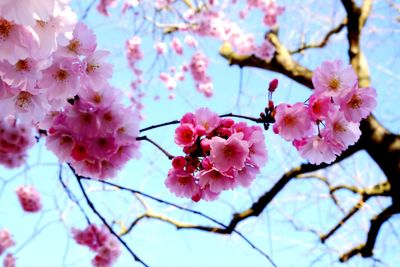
point(215, 180)
point(181, 183)
point(319, 107)
point(176, 46)
point(292, 122)
point(83, 42)
point(265, 51)
point(358, 103)
point(334, 79)
point(245, 176)
point(161, 48)
point(6, 240)
point(103, 6)
point(185, 135)
point(191, 41)
point(26, 12)
point(342, 131)
point(208, 119)
point(318, 149)
point(230, 153)
point(61, 79)
point(96, 71)
point(16, 42)
point(15, 139)
point(29, 198)
point(9, 260)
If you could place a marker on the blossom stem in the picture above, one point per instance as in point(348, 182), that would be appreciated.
point(166, 153)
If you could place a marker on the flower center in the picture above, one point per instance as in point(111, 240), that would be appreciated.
point(289, 120)
point(41, 23)
point(355, 102)
point(334, 83)
point(92, 68)
point(74, 45)
point(24, 101)
point(5, 28)
point(22, 65)
point(338, 127)
point(61, 75)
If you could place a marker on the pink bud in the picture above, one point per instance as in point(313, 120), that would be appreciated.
point(273, 85)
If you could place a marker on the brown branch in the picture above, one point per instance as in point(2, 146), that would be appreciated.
point(282, 61)
point(366, 249)
point(324, 41)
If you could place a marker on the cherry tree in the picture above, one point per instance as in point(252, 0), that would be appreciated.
point(313, 114)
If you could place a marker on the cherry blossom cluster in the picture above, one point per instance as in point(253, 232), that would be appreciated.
point(214, 23)
point(6, 241)
point(53, 75)
point(198, 67)
point(270, 9)
point(219, 155)
point(96, 134)
point(15, 139)
point(29, 198)
point(99, 240)
point(322, 129)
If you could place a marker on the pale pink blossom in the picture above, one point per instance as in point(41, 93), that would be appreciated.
point(161, 48)
point(334, 79)
point(176, 46)
point(55, 31)
point(6, 240)
point(103, 6)
point(83, 42)
point(245, 176)
point(358, 103)
point(265, 51)
point(29, 198)
point(16, 42)
point(96, 71)
point(191, 41)
point(257, 148)
point(230, 153)
point(342, 131)
point(61, 79)
point(318, 149)
point(208, 119)
point(292, 122)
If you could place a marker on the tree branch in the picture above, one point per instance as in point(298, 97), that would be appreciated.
point(324, 41)
point(366, 249)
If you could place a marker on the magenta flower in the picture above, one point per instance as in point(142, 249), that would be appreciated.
point(206, 118)
point(185, 135)
point(230, 153)
point(9, 260)
point(29, 198)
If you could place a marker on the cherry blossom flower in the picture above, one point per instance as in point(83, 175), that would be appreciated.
point(101, 241)
point(103, 6)
point(292, 122)
point(358, 103)
point(9, 260)
point(334, 79)
point(176, 46)
point(6, 240)
point(208, 119)
point(230, 153)
point(26, 12)
point(181, 183)
point(318, 149)
point(96, 71)
point(29, 198)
